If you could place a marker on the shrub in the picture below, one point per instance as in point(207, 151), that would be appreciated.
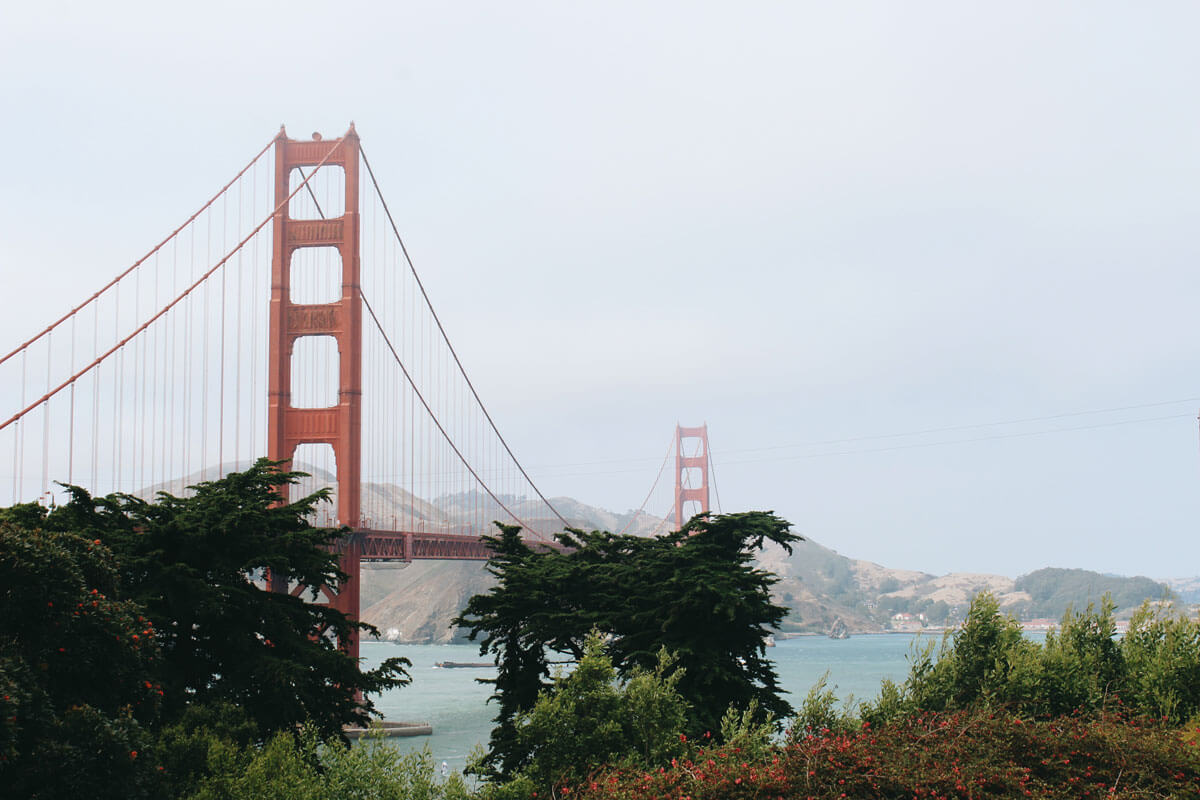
point(748, 731)
point(589, 719)
point(819, 714)
point(206, 737)
point(1161, 655)
point(948, 755)
point(302, 767)
point(1081, 664)
point(1082, 667)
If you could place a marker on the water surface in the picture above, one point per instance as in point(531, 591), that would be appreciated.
point(456, 704)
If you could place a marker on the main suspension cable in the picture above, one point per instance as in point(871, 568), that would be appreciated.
point(141, 260)
point(712, 470)
point(387, 340)
point(101, 358)
point(412, 268)
point(642, 508)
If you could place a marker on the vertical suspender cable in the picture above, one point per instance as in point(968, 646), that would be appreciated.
point(16, 495)
point(46, 419)
point(95, 297)
point(152, 378)
point(431, 416)
point(221, 367)
point(117, 393)
point(171, 364)
point(187, 363)
point(237, 351)
point(204, 354)
point(445, 338)
point(71, 419)
point(141, 419)
point(712, 470)
point(254, 315)
point(95, 437)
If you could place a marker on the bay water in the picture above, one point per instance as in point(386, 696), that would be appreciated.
point(455, 703)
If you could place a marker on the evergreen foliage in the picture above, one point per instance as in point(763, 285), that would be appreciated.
point(589, 718)
point(184, 575)
point(694, 592)
point(191, 563)
point(77, 668)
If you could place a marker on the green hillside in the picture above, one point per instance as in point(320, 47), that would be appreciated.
point(1053, 589)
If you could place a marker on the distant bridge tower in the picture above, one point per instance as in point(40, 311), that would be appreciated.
point(339, 425)
point(686, 492)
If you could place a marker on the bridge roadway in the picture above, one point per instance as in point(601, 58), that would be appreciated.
point(380, 545)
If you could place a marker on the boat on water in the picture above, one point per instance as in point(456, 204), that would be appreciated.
point(464, 664)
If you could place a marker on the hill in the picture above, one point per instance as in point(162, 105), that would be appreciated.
point(820, 586)
point(1186, 589)
point(418, 600)
point(817, 584)
point(1051, 590)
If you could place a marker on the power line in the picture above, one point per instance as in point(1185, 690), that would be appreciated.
point(547, 469)
point(915, 445)
point(908, 446)
point(973, 426)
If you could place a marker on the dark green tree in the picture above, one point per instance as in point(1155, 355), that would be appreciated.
point(196, 563)
point(77, 668)
point(695, 592)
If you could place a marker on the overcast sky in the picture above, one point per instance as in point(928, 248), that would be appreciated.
point(807, 224)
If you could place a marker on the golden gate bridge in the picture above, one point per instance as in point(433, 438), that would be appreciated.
point(286, 318)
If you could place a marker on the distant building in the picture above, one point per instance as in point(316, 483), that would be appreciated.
point(907, 623)
point(1039, 624)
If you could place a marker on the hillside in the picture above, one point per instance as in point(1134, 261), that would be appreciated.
point(1052, 589)
point(421, 598)
point(1187, 590)
point(820, 586)
point(817, 584)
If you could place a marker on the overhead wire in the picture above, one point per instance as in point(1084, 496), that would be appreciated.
point(549, 469)
point(972, 426)
point(920, 445)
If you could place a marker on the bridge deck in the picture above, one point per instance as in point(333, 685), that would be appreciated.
point(380, 545)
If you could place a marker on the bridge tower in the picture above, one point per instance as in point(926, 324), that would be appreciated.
point(340, 425)
point(684, 493)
